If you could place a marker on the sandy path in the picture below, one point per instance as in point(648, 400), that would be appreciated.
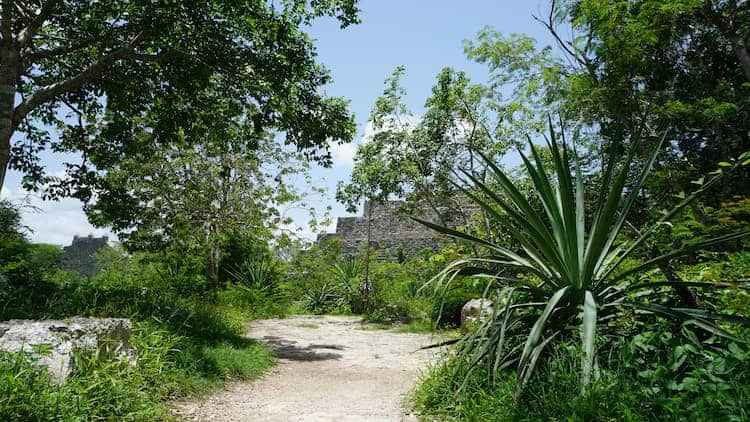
point(329, 369)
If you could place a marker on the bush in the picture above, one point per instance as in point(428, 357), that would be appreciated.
point(185, 343)
point(168, 365)
point(569, 280)
point(652, 378)
point(324, 281)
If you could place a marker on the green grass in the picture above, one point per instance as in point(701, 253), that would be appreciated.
point(610, 399)
point(416, 326)
point(170, 365)
point(187, 346)
point(374, 326)
point(656, 377)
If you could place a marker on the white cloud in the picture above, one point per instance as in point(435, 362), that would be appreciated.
point(403, 122)
point(343, 155)
point(53, 221)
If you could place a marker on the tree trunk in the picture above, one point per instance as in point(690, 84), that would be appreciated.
point(365, 289)
point(687, 295)
point(213, 258)
point(727, 25)
point(740, 49)
point(8, 75)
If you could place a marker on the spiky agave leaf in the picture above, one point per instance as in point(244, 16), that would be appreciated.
point(571, 269)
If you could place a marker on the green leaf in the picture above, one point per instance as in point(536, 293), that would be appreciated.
point(534, 338)
point(687, 318)
point(588, 336)
point(685, 250)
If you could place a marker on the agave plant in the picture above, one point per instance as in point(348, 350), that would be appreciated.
point(568, 271)
point(348, 271)
point(348, 275)
point(321, 298)
point(254, 274)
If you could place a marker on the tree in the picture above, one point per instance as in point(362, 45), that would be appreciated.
point(416, 159)
point(66, 65)
point(10, 221)
point(15, 247)
point(372, 182)
point(198, 184)
point(679, 64)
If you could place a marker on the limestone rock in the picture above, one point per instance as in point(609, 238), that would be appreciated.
point(108, 337)
point(475, 311)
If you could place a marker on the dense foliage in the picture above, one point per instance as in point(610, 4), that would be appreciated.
point(570, 262)
point(185, 344)
point(566, 246)
point(90, 67)
point(655, 376)
point(616, 258)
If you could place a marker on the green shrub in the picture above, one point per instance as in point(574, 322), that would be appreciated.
point(568, 279)
point(685, 383)
point(186, 344)
point(321, 298)
point(685, 378)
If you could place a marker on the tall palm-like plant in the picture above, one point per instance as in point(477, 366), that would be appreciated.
point(348, 274)
point(568, 270)
point(348, 271)
point(254, 274)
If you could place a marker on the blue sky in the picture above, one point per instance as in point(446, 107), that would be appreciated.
point(422, 35)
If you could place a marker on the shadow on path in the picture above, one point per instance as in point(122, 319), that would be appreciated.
point(287, 349)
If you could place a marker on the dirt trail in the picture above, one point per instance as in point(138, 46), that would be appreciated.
point(329, 369)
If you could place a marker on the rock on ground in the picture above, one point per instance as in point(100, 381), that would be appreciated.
point(329, 368)
point(474, 312)
point(53, 342)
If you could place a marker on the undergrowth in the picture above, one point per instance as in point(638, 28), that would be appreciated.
point(188, 343)
point(662, 371)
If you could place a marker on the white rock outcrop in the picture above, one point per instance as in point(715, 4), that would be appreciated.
point(57, 340)
point(474, 312)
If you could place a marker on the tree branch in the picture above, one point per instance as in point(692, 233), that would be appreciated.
point(571, 51)
point(49, 92)
point(687, 295)
point(153, 58)
point(48, 54)
point(33, 27)
point(726, 26)
point(27, 13)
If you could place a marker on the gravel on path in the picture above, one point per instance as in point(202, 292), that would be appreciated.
point(330, 368)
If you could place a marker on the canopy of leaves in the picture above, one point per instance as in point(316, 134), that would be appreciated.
point(681, 64)
point(87, 64)
point(213, 177)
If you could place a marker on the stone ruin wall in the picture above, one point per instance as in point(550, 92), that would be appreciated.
point(79, 255)
point(390, 231)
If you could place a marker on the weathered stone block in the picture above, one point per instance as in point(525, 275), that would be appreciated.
point(390, 230)
point(475, 311)
point(107, 337)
